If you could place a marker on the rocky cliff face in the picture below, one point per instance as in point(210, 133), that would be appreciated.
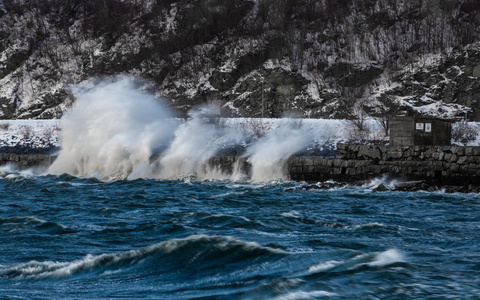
point(311, 58)
point(446, 86)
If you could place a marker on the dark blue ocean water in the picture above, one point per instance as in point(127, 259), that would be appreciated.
point(70, 238)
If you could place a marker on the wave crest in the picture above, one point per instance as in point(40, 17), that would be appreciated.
point(202, 250)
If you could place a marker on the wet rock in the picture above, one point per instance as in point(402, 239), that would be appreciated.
point(410, 186)
point(381, 188)
point(319, 186)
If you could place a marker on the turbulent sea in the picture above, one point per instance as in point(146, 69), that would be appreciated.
point(63, 237)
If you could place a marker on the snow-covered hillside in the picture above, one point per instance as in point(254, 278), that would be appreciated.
point(27, 135)
point(47, 133)
point(323, 134)
point(307, 58)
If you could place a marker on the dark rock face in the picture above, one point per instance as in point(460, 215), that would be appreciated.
point(350, 75)
point(315, 59)
point(452, 79)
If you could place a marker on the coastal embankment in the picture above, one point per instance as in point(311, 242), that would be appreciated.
point(27, 160)
point(446, 165)
point(442, 165)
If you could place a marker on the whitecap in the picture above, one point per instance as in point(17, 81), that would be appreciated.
point(291, 214)
point(368, 225)
point(8, 169)
point(227, 194)
point(12, 171)
point(300, 295)
point(324, 266)
point(386, 258)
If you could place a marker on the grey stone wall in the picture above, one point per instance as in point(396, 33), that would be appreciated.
point(453, 165)
point(435, 164)
point(440, 164)
point(230, 164)
point(27, 160)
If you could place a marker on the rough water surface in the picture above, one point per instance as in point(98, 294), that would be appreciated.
point(63, 237)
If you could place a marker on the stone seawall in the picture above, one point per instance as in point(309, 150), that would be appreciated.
point(447, 165)
point(26, 160)
point(441, 164)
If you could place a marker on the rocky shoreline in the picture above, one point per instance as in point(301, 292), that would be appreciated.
point(407, 186)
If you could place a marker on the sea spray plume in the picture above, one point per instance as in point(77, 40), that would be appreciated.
point(196, 141)
point(112, 130)
point(269, 154)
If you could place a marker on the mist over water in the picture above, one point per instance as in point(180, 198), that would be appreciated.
point(114, 130)
point(269, 154)
point(195, 142)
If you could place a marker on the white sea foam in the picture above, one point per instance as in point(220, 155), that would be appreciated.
point(378, 259)
point(8, 169)
point(268, 155)
point(227, 194)
point(195, 142)
point(291, 214)
point(11, 171)
point(300, 295)
point(114, 129)
point(375, 259)
point(387, 258)
point(324, 266)
point(368, 225)
point(390, 183)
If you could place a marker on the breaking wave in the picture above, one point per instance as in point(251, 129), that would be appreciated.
point(391, 257)
point(116, 131)
point(112, 131)
point(211, 256)
point(200, 250)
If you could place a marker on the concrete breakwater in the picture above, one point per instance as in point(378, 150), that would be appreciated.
point(446, 165)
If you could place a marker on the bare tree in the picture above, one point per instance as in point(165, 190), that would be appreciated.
point(359, 115)
point(4, 126)
point(464, 132)
point(387, 111)
point(255, 128)
point(358, 130)
point(26, 132)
